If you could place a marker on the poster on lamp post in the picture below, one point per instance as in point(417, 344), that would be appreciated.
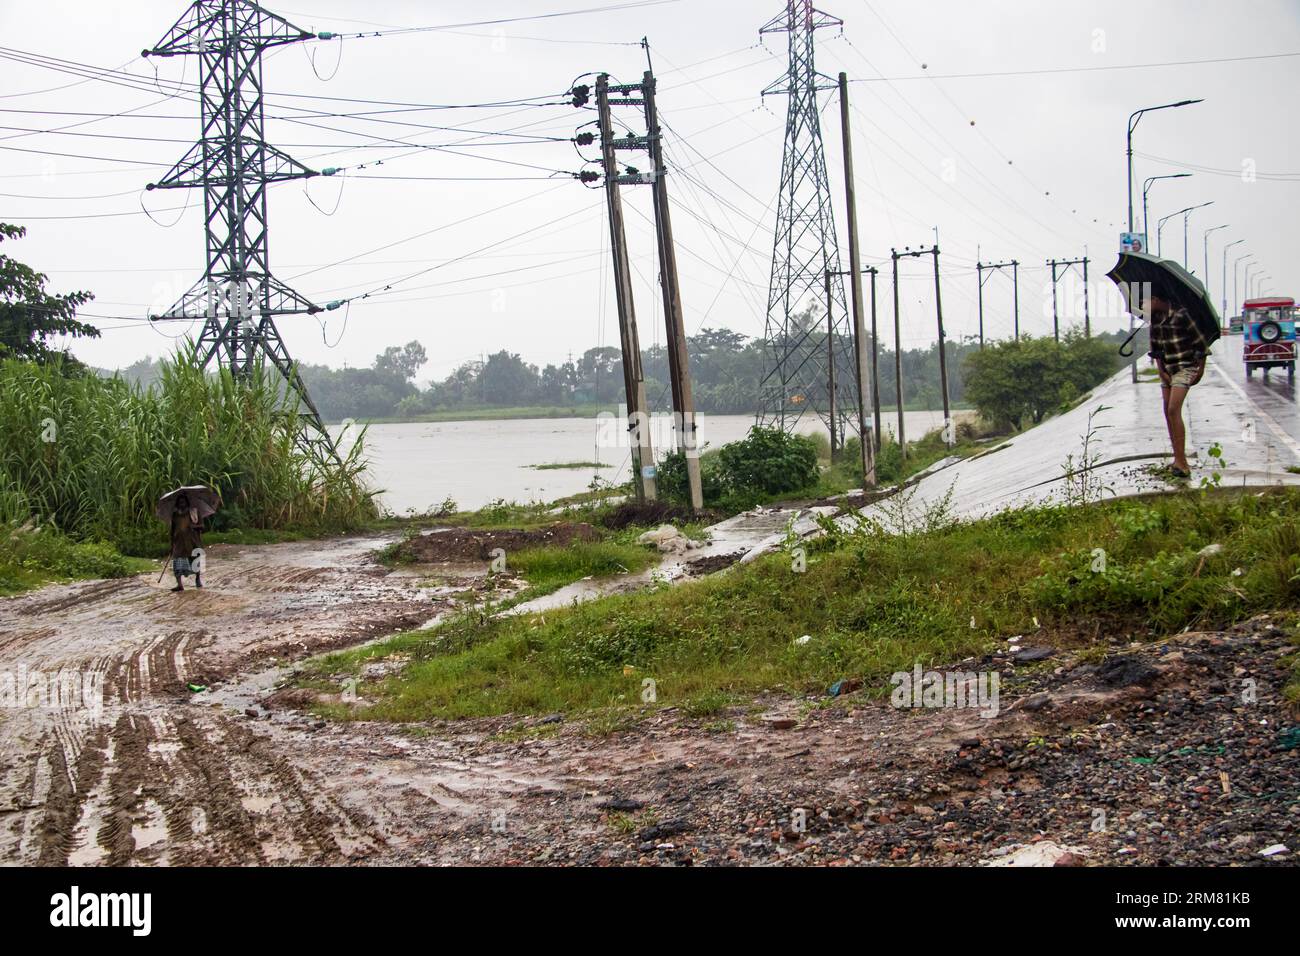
point(1132, 242)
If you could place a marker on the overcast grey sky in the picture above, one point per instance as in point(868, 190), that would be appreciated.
point(1026, 166)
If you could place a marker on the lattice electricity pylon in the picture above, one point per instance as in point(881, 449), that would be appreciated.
point(237, 298)
point(808, 335)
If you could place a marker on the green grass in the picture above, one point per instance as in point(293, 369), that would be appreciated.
point(549, 569)
point(501, 514)
point(844, 472)
point(873, 604)
point(708, 703)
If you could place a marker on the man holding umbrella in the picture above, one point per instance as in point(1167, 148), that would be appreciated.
point(1179, 351)
point(1183, 325)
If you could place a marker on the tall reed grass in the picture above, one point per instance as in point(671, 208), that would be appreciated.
point(92, 455)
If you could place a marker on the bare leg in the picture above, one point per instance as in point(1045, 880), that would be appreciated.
point(1177, 431)
point(179, 585)
point(1169, 422)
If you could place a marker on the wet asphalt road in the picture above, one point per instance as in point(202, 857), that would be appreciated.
point(1274, 395)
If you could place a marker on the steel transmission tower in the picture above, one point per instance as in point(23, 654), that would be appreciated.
point(238, 297)
point(809, 331)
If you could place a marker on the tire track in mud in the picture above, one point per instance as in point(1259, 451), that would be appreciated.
point(152, 775)
point(312, 820)
point(228, 822)
point(128, 781)
point(64, 799)
point(78, 596)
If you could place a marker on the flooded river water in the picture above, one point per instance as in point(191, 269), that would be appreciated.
point(417, 465)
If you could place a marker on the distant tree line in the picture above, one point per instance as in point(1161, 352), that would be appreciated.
point(727, 369)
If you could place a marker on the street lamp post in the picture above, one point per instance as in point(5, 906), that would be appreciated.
point(1236, 294)
point(1133, 121)
point(1207, 255)
point(1134, 118)
point(1223, 278)
point(1146, 188)
point(1187, 215)
point(1249, 266)
point(1160, 228)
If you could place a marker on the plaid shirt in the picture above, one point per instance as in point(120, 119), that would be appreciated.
point(1176, 341)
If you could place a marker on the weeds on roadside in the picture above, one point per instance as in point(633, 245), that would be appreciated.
point(1082, 484)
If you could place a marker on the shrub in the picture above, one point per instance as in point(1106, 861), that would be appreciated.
point(30, 555)
point(747, 472)
point(1024, 380)
point(768, 461)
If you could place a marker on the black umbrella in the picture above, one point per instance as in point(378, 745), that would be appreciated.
point(1139, 275)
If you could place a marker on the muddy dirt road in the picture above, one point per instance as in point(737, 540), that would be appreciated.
point(156, 773)
point(1183, 771)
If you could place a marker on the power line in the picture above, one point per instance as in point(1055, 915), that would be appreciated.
point(530, 141)
point(426, 232)
point(189, 91)
point(387, 286)
point(1074, 69)
point(952, 150)
point(608, 8)
point(964, 114)
point(1220, 171)
point(102, 159)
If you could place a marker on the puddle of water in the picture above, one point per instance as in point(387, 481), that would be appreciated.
point(152, 829)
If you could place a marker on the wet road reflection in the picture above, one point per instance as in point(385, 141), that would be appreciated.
point(1274, 394)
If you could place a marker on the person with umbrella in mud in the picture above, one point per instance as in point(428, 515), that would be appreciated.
point(186, 508)
point(1183, 325)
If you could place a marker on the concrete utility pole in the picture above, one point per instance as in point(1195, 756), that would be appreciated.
point(678, 360)
point(898, 362)
point(875, 359)
point(638, 429)
point(980, 268)
point(1015, 295)
point(898, 345)
point(943, 353)
point(831, 411)
point(1087, 317)
point(855, 283)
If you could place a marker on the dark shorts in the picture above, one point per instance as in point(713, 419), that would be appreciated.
point(182, 566)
